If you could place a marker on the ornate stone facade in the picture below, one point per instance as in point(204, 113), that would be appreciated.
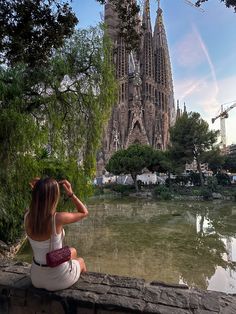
point(145, 109)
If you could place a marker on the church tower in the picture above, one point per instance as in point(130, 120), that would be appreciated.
point(163, 78)
point(145, 106)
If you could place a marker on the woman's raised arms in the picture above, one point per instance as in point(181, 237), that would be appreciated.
point(64, 218)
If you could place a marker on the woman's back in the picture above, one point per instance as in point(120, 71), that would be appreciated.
point(44, 228)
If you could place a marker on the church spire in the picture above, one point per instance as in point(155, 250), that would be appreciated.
point(146, 17)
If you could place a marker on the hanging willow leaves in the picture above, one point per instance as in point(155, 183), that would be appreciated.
point(51, 120)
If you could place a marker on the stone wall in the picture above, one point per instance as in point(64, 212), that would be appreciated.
point(96, 293)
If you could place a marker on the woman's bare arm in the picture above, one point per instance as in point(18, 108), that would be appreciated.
point(64, 218)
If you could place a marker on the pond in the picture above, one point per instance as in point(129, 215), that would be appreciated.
point(174, 242)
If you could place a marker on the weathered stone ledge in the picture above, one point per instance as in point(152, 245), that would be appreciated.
point(97, 293)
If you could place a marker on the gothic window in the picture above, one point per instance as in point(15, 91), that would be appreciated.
point(137, 126)
point(162, 101)
point(122, 92)
point(126, 90)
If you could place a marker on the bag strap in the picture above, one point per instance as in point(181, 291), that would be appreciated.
point(51, 247)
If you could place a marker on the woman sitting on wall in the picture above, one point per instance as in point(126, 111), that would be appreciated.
point(44, 229)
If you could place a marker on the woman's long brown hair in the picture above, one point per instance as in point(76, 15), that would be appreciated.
point(45, 196)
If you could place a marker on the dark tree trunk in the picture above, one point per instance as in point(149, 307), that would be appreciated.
point(200, 172)
point(134, 177)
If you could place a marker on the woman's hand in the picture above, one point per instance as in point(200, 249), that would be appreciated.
point(33, 182)
point(67, 187)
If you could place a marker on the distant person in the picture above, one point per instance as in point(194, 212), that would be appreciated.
point(41, 221)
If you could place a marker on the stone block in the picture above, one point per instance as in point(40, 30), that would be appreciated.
point(124, 282)
point(90, 277)
point(167, 285)
point(8, 279)
point(152, 294)
point(133, 293)
point(201, 311)
point(113, 312)
point(18, 293)
point(82, 310)
point(23, 283)
point(17, 309)
point(176, 299)
point(193, 300)
point(56, 307)
point(210, 301)
point(120, 303)
point(161, 309)
point(96, 288)
point(4, 304)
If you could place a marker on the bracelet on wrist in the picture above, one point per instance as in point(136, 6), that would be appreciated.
point(71, 195)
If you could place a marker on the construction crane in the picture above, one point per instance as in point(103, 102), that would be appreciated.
point(193, 5)
point(223, 115)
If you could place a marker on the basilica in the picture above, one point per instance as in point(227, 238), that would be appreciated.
point(145, 107)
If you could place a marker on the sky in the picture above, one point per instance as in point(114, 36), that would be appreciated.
point(202, 47)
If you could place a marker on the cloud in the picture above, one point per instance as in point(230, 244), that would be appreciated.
point(200, 95)
point(188, 52)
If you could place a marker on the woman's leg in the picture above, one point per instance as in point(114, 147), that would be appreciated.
point(83, 267)
point(79, 259)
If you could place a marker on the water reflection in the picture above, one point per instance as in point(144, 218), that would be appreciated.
point(166, 241)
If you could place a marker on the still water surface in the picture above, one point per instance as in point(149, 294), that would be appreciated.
point(175, 242)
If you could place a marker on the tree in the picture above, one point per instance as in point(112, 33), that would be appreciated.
point(228, 3)
point(130, 161)
point(61, 107)
point(214, 158)
point(162, 161)
point(230, 163)
point(190, 139)
point(31, 29)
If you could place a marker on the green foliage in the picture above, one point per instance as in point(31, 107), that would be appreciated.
point(194, 178)
point(62, 107)
point(212, 184)
point(123, 189)
point(228, 3)
point(31, 29)
point(206, 193)
point(190, 138)
point(214, 158)
point(130, 161)
point(230, 163)
point(162, 192)
point(223, 179)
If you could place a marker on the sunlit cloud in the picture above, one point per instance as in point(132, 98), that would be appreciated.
point(206, 54)
point(188, 52)
point(191, 52)
point(204, 100)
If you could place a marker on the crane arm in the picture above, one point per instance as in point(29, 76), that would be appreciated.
point(224, 114)
point(193, 5)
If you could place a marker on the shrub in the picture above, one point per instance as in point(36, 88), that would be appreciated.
point(223, 179)
point(206, 193)
point(123, 189)
point(162, 192)
point(212, 184)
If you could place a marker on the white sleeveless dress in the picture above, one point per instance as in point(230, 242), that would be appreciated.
point(56, 278)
